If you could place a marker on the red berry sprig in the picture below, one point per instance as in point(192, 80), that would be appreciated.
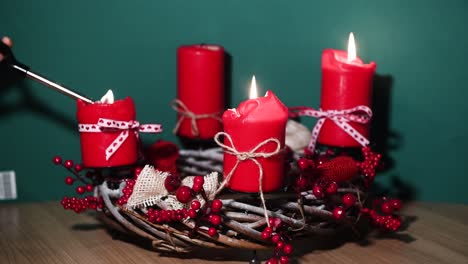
point(166, 216)
point(128, 188)
point(276, 233)
point(369, 165)
point(383, 214)
point(75, 169)
point(79, 205)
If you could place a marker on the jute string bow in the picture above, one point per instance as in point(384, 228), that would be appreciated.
point(248, 155)
point(185, 112)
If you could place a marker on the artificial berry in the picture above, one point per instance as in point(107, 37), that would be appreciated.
point(266, 235)
point(303, 164)
point(137, 171)
point(57, 160)
point(387, 208)
point(215, 220)
point(192, 213)
point(89, 187)
point(332, 188)
point(284, 260)
point(197, 187)
point(301, 183)
point(216, 206)
point(318, 191)
point(80, 189)
point(396, 204)
point(338, 213)
point(279, 245)
point(275, 238)
point(184, 194)
point(171, 183)
point(287, 249)
point(349, 199)
point(68, 164)
point(274, 222)
point(78, 167)
point(212, 231)
point(272, 261)
point(199, 180)
point(195, 205)
point(268, 229)
point(69, 180)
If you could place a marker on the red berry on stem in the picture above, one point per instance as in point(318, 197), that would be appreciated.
point(137, 171)
point(396, 204)
point(89, 187)
point(338, 213)
point(318, 191)
point(284, 260)
point(212, 231)
point(68, 164)
point(198, 180)
point(171, 183)
point(216, 206)
point(57, 160)
point(197, 187)
point(195, 205)
point(301, 183)
point(78, 167)
point(69, 180)
point(332, 188)
point(349, 199)
point(275, 238)
point(303, 164)
point(266, 235)
point(279, 245)
point(215, 220)
point(192, 213)
point(184, 194)
point(287, 249)
point(80, 189)
point(268, 229)
point(272, 261)
point(387, 207)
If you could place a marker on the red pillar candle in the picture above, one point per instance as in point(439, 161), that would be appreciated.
point(200, 83)
point(346, 83)
point(94, 145)
point(253, 122)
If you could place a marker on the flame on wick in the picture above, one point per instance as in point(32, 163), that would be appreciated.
point(253, 89)
point(351, 47)
point(108, 98)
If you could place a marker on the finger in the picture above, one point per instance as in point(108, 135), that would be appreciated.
point(7, 41)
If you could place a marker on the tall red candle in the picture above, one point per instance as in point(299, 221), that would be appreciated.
point(200, 87)
point(253, 122)
point(345, 84)
point(94, 145)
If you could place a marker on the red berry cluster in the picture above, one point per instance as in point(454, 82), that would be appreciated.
point(370, 163)
point(166, 216)
point(128, 189)
point(324, 186)
point(214, 216)
point(276, 233)
point(383, 214)
point(81, 204)
point(75, 169)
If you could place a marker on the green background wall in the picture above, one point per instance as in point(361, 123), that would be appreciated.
point(130, 46)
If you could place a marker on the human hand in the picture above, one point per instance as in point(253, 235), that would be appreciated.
point(8, 42)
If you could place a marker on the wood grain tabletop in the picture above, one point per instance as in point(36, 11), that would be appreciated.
point(45, 233)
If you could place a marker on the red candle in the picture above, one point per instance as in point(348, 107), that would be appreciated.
point(95, 144)
point(200, 82)
point(346, 83)
point(252, 123)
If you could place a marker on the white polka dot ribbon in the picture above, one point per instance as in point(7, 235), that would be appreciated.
point(113, 126)
point(360, 114)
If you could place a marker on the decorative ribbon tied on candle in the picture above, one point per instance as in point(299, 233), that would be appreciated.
point(360, 114)
point(248, 155)
point(185, 112)
point(112, 126)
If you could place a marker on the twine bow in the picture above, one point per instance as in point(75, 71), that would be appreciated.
point(248, 155)
point(113, 126)
point(185, 112)
point(339, 117)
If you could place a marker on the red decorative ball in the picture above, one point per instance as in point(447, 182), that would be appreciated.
point(80, 190)
point(212, 231)
point(78, 167)
point(184, 194)
point(68, 164)
point(396, 204)
point(197, 187)
point(332, 188)
point(69, 180)
point(348, 200)
point(57, 160)
point(318, 192)
point(288, 249)
point(338, 213)
point(195, 205)
point(279, 245)
point(171, 183)
point(199, 180)
point(215, 220)
point(266, 235)
point(387, 207)
point(89, 187)
point(284, 260)
point(216, 206)
point(192, 213)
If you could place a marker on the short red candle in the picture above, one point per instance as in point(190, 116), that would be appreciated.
point(253, 122)
point(93, 145)
point(200, 85)
point(344, 85)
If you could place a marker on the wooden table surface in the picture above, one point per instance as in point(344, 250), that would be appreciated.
point(45, 233)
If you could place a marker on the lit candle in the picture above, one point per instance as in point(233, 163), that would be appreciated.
point(256, 127)
point(97, 141)
point(346, 83)
point(200, 90)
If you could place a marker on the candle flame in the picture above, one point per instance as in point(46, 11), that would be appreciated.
point(351, 47)
point(108, 98)
point(253, 89)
